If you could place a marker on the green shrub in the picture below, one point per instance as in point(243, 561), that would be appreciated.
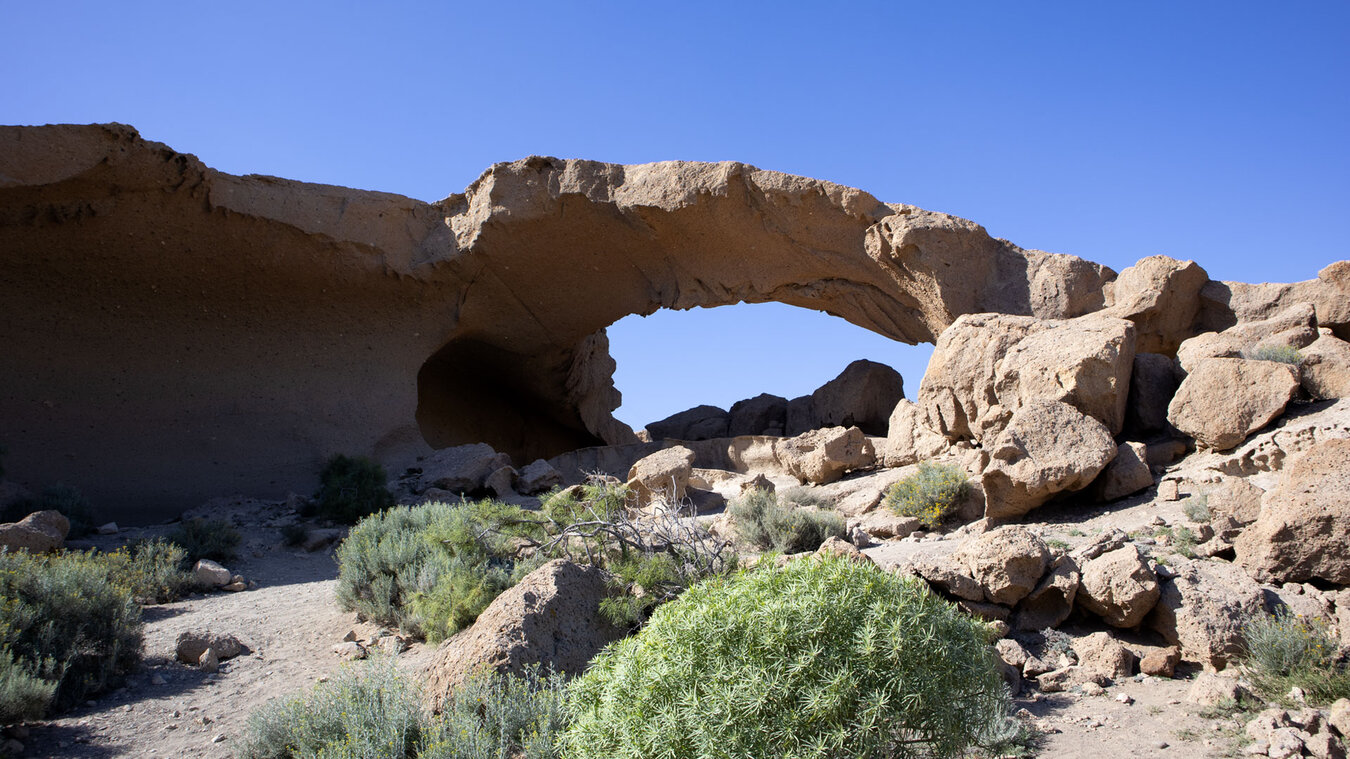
point(823, 657)
point(200, 539)
point(371, 712)
point(351, 488)
point(1284, 650)
point(63, 498)
point(64, 622)
point(1180, 539)
point(1283, 354)
point(930, 495)
point(764, 521)
point(23, 695)
point(151, 570)
point(805, 498)
point(431, 569)
point(1196, 508)
point(293, 535)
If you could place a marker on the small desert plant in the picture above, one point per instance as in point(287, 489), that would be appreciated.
point(1283, 354)
point(1284, 650)
point(1181, 540)
point(62, 621)
point(823, 657)
point(23, 695)
point(213, 539)
point(765, 522)
point(151, 570)
point(805, 498)
point(929, 495)
point(295, 534)
point(351, 488)
point(1196, 508)
point(372, 712)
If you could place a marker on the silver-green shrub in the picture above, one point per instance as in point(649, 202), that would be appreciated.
point(929, 495)
point(767, 522)
point(823, 657)
point(1284, 650)
point(1282, 354)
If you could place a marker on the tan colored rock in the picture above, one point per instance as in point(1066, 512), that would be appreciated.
point(664, 474)
point(834, 546)
point(1006, 562)
point(1119, 586)
point(502, 482)
point(209, 574)
point(1127, 474)
point(461, 468)
point(946, 576)
point(1325, 369)
point(1210, 689)
point(1160, 662)
point(551, 618)
point(1161, 296)
point(1103, 655)
point(862, 396)
point(1084, 362)
point(538, 477)
point(1203, 608)
point(909, 440)
point(1297, 324)
point(885, 524)
point(1224, 304)
point(1064, 678)
point(1238, 498)
point(1223, 400)
point(822, 456)
point(1048, 447)
point(764, 414)
point(39, 532)
point(958, 386)
point(1303, 530)
point(1051, 602)
point(191, 645)
point(1338, 716)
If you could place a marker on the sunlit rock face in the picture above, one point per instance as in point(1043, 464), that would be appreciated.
point(172, 333)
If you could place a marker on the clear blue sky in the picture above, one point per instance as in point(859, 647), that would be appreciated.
point(1205, 130)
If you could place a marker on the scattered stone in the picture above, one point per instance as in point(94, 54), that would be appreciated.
point(537, 477)
point(319, 539)
point(39, 532)
point(1125, 699)
point(1066, 677)
point(1210, 689)
point(1202, 610)
point(501, 482)
point(109, 528)
point(1236, 498)
point(460, 469)
point(885, 524)
point(833, 546)
point(1127, 474)
point(1338, 716)
point(209, 661)
point(1161, 662)
point(1007, 563)
point(191, 644)
point(1168, 491)
point(1284, 742)
point(350, 651)
point(663, 474)
point(235, 587)
point(822, 456)
point(208, 574)
point(909, 439)
point(1103, 655)
point(1092, 690)
point(1051, 602)
point(1325, 369)
point(158, 679)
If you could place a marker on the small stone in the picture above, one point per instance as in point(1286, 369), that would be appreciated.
point(1168, 490)
point(218, 738)
point(209, 662)
point(158, 680)
point(1162, 744)
point(1092, 689)
point(350, 651)
point(235, 587)
point(1297, 695)
point(110, 528)
point(1125, 699)
point(350, 636)
point(209, 574)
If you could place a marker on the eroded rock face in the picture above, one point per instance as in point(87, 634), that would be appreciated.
point(1203, 608)
point(1303, 530)
point(269, 323)
point(1223, 400)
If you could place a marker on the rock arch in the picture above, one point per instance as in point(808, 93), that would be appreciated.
point(176, 332)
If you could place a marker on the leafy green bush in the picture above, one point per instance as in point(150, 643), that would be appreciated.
point(1284, 650)
point(351, 488)
point(1181, 539)
point(431, 569)
point(1283, 354)
point(200, 539)
point(151, 570)
point(64, 622)
point(23, 695)
point(371, 712)
point(764, 521)
point(930, 495)
point(823, 657)
point(1196, 508)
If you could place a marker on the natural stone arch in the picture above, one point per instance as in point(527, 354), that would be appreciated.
point(176, 333)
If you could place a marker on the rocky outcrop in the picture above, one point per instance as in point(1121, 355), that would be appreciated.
point(1223, 400)
point(822, 456)
point(1153, 382)
point(909, 439)
point(1048, 447)
point(764, 414)
point(958, 386)
point(697, 423)
point(1325, 368)
point(461, 469)
point(1161, 296)
point(1224, 304)
point(664, 474)
point(1294, 327)
point(1006, 562)
point(1303, 530)
point(550, 618)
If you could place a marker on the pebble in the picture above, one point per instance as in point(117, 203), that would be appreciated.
point(1162, 744)
point(158, 680)
point(1125, 699)
point(219, 738)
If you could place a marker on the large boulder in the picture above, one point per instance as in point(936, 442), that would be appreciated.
point(1303, 530)
point(1325, 368)
point(1127, 474)
point(1223, 400)
point(909, 440)
point(1236, 497)
point(958, 386)
point(698, 423)
point(1202, 609)
point(764, 414)
point(822, 456)
point(1051, 601)
point(1224, 304)
point(551, 618)
point(461, 468)
point(39, 532)
point(664, 474)
point(537, 477)
point(1048, 447)
point(862, 396)
point(1295, 326)
point(1152, 384)
point(1100, 654)
point(1084, 362)
point(1161, 296)
point(1006, 562)
point(1119, 586)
